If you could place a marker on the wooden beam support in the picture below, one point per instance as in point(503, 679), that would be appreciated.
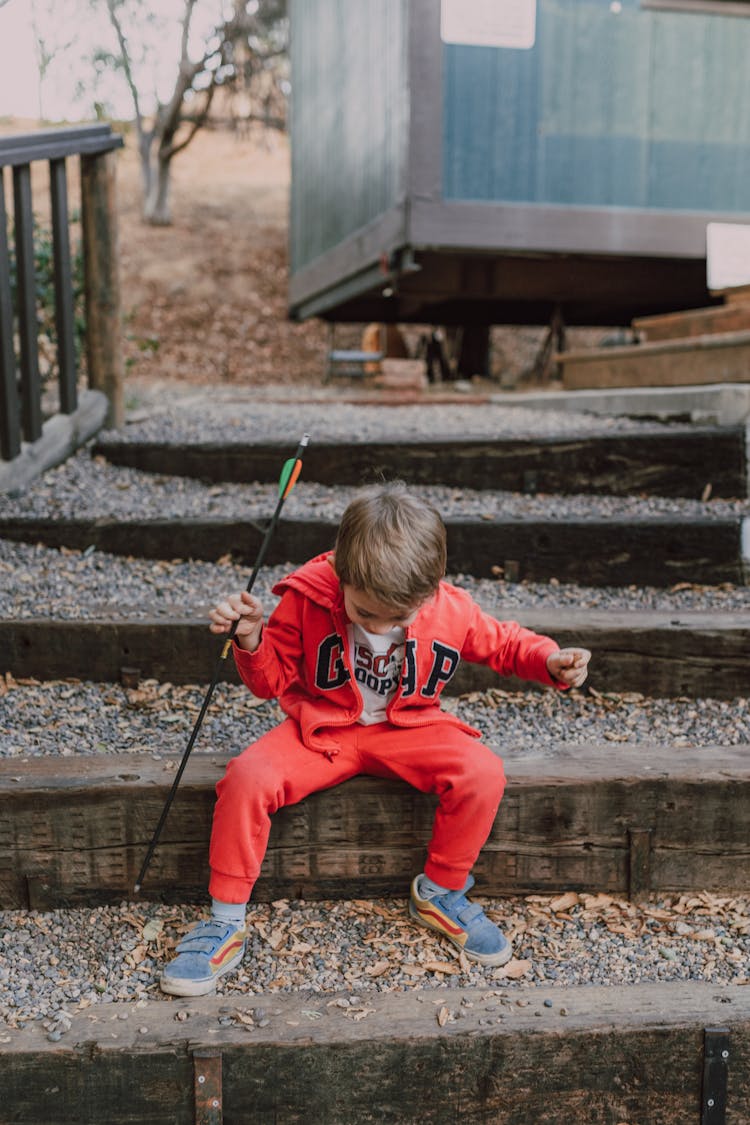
point(75, 830)
point(102, 284)
point(679, 461)
point(614, 1054)
point(650, 551)
point(692, 653)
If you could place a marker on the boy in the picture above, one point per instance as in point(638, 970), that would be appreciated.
point(358, 650)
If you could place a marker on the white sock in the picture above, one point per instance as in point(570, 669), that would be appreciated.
point(428, 889)
point(231, 912)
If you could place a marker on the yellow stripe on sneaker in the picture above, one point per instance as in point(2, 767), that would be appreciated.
point(439, 921)
point(222, 955)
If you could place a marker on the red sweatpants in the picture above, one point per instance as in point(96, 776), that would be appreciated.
point(279, 770)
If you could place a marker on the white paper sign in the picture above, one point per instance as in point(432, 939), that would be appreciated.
point(727, 255)
point(489, 23)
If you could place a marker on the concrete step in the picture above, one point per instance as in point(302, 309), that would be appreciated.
point(616, 551)
point(596, 1054)
point(675, 461)
point(626, 820)
point(689, 653)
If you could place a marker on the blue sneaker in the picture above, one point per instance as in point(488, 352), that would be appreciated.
point(462, 922)
point(210, 949)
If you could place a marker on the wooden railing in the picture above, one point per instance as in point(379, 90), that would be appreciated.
point(22, 426)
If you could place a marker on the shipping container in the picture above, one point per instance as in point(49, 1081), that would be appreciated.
point(491, 161)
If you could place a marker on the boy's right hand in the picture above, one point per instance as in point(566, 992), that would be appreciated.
point(247, 611)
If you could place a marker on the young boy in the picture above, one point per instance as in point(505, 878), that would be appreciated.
point(358, 651)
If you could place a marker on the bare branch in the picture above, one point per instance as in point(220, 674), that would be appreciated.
point(126, 65)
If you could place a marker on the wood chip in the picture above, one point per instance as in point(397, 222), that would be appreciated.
point(564, 902)
point(514, 970)
point(442, 967)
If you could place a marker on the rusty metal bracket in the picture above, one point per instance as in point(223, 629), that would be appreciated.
point(208, 1096)
point(715, 1069)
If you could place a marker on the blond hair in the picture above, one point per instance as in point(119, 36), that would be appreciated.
point(392, 545)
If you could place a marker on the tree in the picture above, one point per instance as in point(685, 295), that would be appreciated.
point(49, 42)
point(248, 41)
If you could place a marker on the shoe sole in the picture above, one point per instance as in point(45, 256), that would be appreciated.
point(490, 959)
point(176, 986)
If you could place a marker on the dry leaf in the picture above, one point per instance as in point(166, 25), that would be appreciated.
point(245, 1018)
point(378, 968)
point(564, 902)
point(441, 967)
point(515, 969)
point(152, 929)
point(443, 1016)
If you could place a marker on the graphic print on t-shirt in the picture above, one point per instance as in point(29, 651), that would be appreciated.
point(377, 661)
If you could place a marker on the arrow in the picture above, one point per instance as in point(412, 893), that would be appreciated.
point(287, 480)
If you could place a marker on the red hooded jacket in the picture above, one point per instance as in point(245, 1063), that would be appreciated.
point(303, 655)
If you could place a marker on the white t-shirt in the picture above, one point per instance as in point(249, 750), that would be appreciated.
point(377, 661)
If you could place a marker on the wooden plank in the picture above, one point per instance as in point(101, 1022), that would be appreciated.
point(647, 551)
point(31, 403)
point(51, 144)
point(679, 461)
point(62, 434)
point(64, 316)
point(694, 322)
point(75, 830)
point(720, 358)
point(10, 421)
point(691, 653)
point(106, 369)
point(619, 1053)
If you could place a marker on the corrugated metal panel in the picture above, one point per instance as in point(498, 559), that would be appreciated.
point(349, 118)
point(614, 105)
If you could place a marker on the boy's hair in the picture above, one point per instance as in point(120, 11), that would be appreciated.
point(392, 545)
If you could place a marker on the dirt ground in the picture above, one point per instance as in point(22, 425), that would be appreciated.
point(205, 300)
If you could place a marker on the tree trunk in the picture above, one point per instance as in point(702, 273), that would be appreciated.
point(156, 205)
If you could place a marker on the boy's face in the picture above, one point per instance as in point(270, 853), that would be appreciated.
point(365, 610)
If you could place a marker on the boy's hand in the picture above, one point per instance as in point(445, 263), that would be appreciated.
point(569, 666)
point(247, 611)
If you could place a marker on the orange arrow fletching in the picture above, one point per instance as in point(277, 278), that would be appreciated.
point(289, 474)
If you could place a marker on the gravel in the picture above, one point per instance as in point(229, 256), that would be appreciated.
point(53, 964)
point(57, 963)
point(73, 717)
point(231, 416)
point(46, 582)
point(87, 487)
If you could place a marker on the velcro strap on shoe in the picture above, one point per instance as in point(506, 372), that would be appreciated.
point(205, 938)
point(472, 911)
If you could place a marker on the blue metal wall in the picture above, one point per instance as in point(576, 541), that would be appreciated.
point(349, 118)
point(614, 105)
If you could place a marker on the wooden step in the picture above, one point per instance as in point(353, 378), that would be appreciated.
point(695, 322)
point(674, 461)
point(618, 551)
point(638, 1053)
point(688, 653)
point(624, 819)
point(720, 358)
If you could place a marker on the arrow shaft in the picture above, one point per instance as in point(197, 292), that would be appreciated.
point(286, 488)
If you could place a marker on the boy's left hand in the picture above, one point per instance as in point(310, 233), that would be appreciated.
point(569, 666)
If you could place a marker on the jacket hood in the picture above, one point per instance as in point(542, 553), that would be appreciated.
point(317, 580)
